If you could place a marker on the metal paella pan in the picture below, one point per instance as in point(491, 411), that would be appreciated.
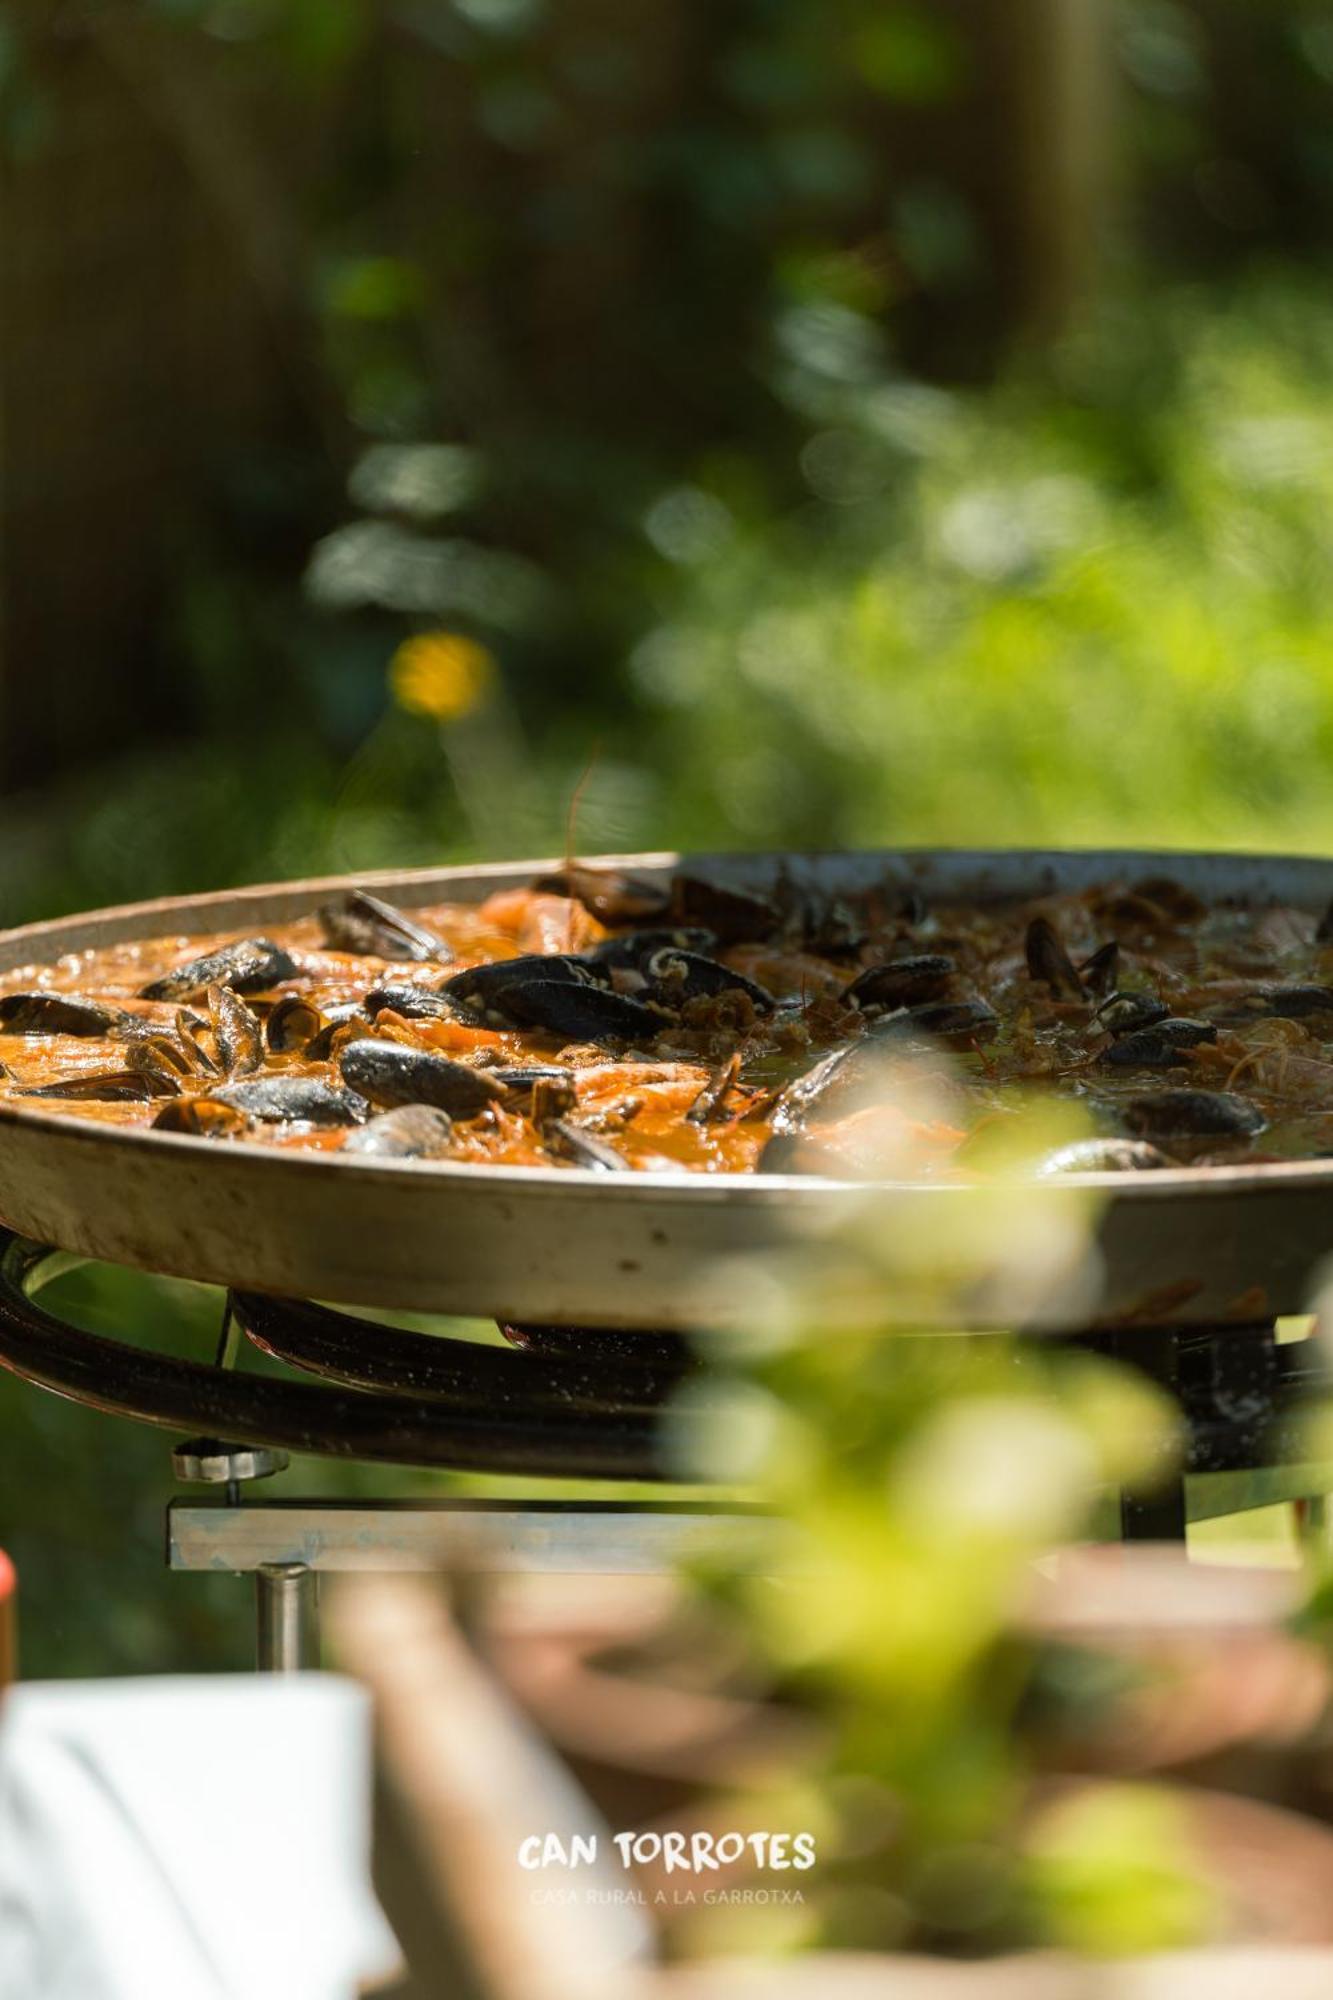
point(564, 1244)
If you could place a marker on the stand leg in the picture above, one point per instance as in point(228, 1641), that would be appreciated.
point(287, 1618)
point(1311, 1518)
point(1156, 1515)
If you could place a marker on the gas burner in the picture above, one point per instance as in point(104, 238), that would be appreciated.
point(557, 1402)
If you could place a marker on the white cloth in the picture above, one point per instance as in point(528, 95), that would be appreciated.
point(192, 1839)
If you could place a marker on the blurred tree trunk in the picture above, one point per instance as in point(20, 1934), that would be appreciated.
point(1062, 79)
point(137, 347)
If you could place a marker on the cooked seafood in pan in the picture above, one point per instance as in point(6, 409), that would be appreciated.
point(603, 1021)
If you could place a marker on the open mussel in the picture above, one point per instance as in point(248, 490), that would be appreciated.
point(366, 924)
point(389, 1074)
point(677, 976)
point(292, 1025)
point(162, 1061)
point(294, 1100)
point(554, 994)
point(200, 1118)
point(1099, 972)
point(711, 1103)
point(59, 1014)
point(1188, 1114)
point(1124, 1013)
point(408, 1132)
point(251, 965)
point(1048, 961)
point(115, 1086)
point(582, 1149)
point(482, 990)
point(414, 1003)
point(238, 1036)
point(902, 982)
point(1160, 1046)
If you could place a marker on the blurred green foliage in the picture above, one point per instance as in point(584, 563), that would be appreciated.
point(914, 1483)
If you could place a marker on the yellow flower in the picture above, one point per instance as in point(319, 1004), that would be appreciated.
point(440, 674)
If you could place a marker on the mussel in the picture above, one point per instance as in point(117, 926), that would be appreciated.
point(1160, 1046)
point(483, 990)
point(1166, 1114)
point(303, 1100)
point(1048, 961)
point(581, 1149)
point(903, 982)
point(199, 1118)
point(366, 924)
point(292, 1025)
point(1124, 1013)
point(1100, 971)
point(408, 1132)
point(58, 1014)
point(677, 976)
point(388, 1074)
point(237, 1034)
point(106, 1087)
point(414, 1003)
point(251, 965)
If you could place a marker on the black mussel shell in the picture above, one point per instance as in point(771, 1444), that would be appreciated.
point(582, 1149)
point(110, 1087)
point(1160, 1046)
point(303, 1100)
point(414, 1003)
point(903, 982)
point(1125, 1013)
point(58, 1014)
point(1047, 960)
point(251, 965)
point(1166, 1114)
point(366, 924)
point(1100, 971)
point(388, 1074)
point(678, 976)
point(483, 990)
point(574, 1010)
point(408, 1132)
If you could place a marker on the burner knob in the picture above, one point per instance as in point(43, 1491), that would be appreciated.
point(213, 1462)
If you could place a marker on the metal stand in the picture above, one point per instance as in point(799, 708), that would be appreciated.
point(286, 1618)
point(565, 1404)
